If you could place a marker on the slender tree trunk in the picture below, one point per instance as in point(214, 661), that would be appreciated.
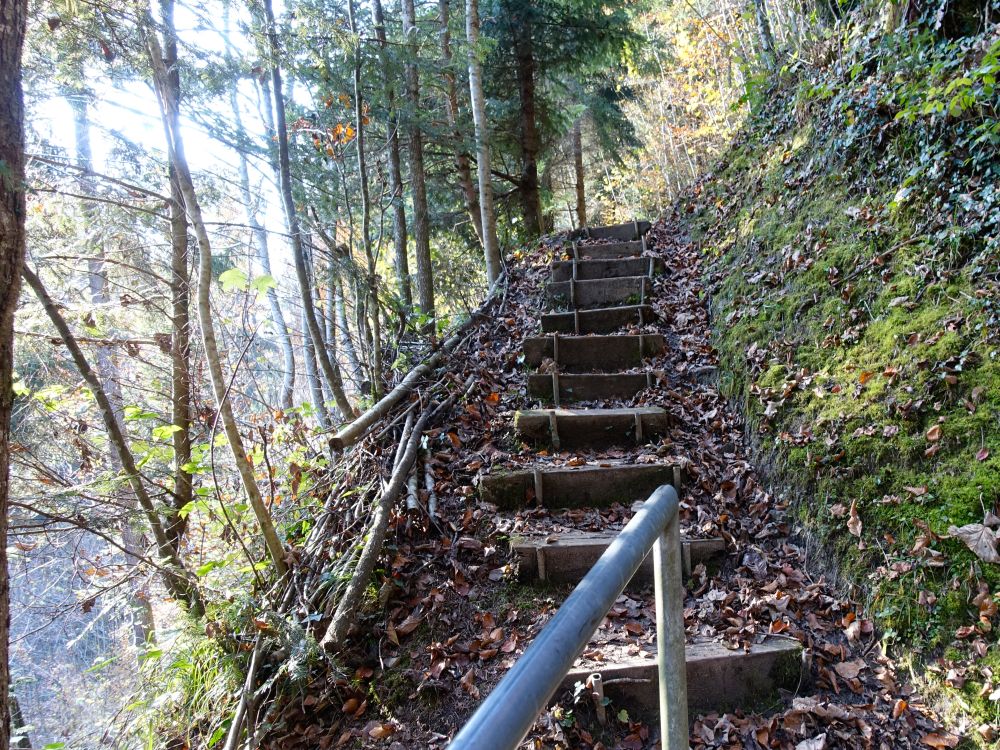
point(262, 252)
point(330, 368)
point(175, 144)
point(366, 238)
point(107, 370)
point(766, 37)
point(524, 58)
point(581, 185)
point(180, 306)
point(421, 220)
point(12, 207)
point(462, 161)
point(312, 378)
point(346, 340)
point(178, 581)
point(395, 169)
point(491, 246)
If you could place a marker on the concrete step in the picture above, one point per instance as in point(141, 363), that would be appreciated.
point(577, 487)
point(588, 353)
point(573, 295)
point(568, 556)
point(718, 678)
point(590, 387)
point(591, 428)
point(632, 230)
point(562, 270)
point(599, 320)
point(607, 250)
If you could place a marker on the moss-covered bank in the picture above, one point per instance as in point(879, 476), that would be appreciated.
point(851, 243)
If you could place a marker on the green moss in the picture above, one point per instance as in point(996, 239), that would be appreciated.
point(867, 334)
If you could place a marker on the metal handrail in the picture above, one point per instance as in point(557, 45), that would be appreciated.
point(507, 714)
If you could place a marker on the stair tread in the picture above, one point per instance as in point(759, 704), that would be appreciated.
point(624, 657)
point(718, 678)
point(580, 538)
point(596, 412)
point(591, 269)
point(578, 486)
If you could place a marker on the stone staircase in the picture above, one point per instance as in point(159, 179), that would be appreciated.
point(599, 305)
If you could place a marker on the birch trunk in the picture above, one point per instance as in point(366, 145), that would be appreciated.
point(462, 161)
point(766, 37)
point(491, 246)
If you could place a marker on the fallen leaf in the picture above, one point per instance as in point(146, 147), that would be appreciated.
point(940, 740)
point(980, 539)
point(982, 455)
point(816, 743)
point(898, 707)
point(854, 522)
point(381, 731)
point(468, 682)
point(934, 433)
point(850, 669)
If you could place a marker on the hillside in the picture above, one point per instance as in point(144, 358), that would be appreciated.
point(852, 263)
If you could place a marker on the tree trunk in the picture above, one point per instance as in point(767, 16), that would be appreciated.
point(177, 579)
point(264, 260)
point(766, 37)
point(395, 171)
point(491, 246)
point(421, 220)
point(524, 58)
point(175, 145)
point(312, 378)
point(462, 160)
point(366, 239)
point(581, 186)
point(346, 340)
point(12, 207)
point(330, 368)
point(107, 370)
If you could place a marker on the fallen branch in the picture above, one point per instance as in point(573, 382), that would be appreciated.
point(351, 433)
point(347, 608)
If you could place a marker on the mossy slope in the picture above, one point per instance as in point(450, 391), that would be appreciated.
point(851, 236)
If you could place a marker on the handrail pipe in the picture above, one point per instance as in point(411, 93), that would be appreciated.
point(504, 718)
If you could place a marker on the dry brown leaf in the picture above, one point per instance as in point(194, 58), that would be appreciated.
point(850, 669)
point(854, 521)
point(980, 539)
point(934, 433)
point(940, 740)
point(468, 682)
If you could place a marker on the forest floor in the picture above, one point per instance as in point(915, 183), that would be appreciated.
point(455, 618)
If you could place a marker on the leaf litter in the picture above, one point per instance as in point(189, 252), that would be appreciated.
point(450, 617)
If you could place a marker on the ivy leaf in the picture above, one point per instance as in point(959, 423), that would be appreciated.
point(233, 279)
